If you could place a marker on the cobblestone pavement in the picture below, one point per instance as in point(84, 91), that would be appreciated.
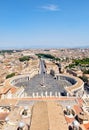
point(44, 84)
point(35, 85)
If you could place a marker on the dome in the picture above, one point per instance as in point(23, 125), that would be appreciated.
point(75, 123)
point(68, 107)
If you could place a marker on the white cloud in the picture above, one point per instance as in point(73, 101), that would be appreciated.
point(51, 7)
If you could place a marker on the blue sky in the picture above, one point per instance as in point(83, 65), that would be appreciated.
point(44, 23)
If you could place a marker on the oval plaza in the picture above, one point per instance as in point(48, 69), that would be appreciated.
point(41, 84)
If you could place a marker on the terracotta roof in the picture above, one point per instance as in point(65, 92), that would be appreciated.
point(80, 101)
point(86, 126)
point(77, 109)
point(3, 116)
point(48, 116)
point(69, 120)
point(7, 102)
point(13, 90)
point(40, 117)
point(56, 116)
point(4, 90)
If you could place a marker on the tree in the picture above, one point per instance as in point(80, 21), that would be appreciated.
point(84, 78)
point(10, 75)
point(24, 58)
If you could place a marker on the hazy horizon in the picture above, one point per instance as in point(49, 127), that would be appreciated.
point(27, 48)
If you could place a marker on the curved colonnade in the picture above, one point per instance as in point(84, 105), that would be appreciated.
point(77, 84)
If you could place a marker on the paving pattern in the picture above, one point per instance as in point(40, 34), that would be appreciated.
point(44, 84)
point(50, 85)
